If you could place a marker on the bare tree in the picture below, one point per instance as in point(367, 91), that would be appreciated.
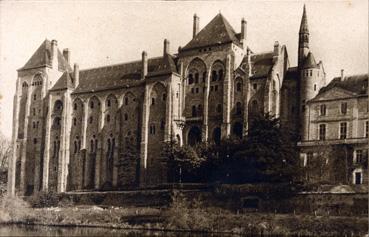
point(5, 152)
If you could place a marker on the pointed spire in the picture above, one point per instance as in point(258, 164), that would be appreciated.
point(304, 23)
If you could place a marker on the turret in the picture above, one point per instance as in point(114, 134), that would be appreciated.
point(303, 39)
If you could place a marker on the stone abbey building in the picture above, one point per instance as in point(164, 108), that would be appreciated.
point(104, 127)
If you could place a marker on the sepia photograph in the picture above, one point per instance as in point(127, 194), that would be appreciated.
point(184, 118)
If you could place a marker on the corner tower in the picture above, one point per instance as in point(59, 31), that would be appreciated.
point(311, 76)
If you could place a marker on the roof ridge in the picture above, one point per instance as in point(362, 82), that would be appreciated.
point(118, 64)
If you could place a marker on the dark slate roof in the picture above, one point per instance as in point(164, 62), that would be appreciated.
point(121, 75)
point(42, 57)
point(218, 31)
point(309, 61)
point(304, 23)
point(64, 82)
point(292, 73)
point(358, 84)
point(261, 64)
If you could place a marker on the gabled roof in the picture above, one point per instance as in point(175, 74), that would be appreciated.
point(218, 31)
point(309, 61)
point(261, 64)
point(357, 84)
point(42, 57)
point(122, 75)
point(64, 82)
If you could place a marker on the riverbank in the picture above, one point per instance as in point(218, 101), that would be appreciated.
point(182, 216)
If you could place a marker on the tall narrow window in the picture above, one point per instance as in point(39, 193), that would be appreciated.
point(213, 75)
point(322, 131)
point(194, 112)
point(74, 121)
point(75, 106)
point(92, 104)
point(344, 108)
point(203, 76)
point(108, 103)
point(152, 101)
point(366, 128)
point(108, 118)
point(220, 74)
point(219, 108)
point(196, 78)
point(359, 156)
point(323, 110)
point(34, 97)
point(343, 130)
point(92, 146)
point(238, 108)
point(125, 117)
point(164, 96)
point(238, 86)
point(75, 147)
point(126, 100)
point(190, 79)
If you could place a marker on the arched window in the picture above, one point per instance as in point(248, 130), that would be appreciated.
point(164, 97)
point(194, 112)
point(162, 124)
point(220, 72)
point(237, 129)
point(194, 136)
point(238, 108)
point(34, 140)
point(219, 108)
point(108, 103)
point(254, 107)
point(190, 79)
point(108, 118)
point(92, 104)
point(75, 147)
point(152, 101)
point(90, 119)
point(126, 100)
point(75, 106)
point(238, 86)
point(203, 76)
point(196, 77)
point(92, 146)
point(217, 135)
point(34, 96)
point(125, 117)
point(199, 109)
point(74, 121)
point(213, 75)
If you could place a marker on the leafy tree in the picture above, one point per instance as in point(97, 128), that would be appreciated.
point(269, 154)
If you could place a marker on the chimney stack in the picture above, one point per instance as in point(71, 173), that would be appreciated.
point(76, 75)
point(342, 74)
point(166, 47)
point(54, 54)
point(243, 29)
point(196, 21)
point(144, 65)
point(277, 48)
point(66, 54)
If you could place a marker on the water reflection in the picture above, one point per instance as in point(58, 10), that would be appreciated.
point(31, 230)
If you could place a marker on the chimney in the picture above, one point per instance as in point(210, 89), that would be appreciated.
point(277, 48)
point(166, 47)
point(76, 75)
point(196, 21)
point(54, 54)
point(243, 29)
point(144, 65)
point(342, 75)
point(66, 54)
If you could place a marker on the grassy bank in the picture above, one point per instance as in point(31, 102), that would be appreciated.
point(181, 215)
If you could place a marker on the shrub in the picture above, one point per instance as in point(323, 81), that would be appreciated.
point(44, 199)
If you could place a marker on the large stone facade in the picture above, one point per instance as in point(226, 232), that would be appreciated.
point(103, 128)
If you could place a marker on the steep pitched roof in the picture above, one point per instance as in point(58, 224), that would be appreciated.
point(122, 75)
point(304, 28)
point(261, 64)
point(357, 84)
point(42, 57)
point(64, 82)
point(217, 31)
point(309, 61)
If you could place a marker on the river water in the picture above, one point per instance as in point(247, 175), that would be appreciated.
point(34, 230)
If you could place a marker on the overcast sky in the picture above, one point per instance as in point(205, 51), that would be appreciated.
point(107, 32)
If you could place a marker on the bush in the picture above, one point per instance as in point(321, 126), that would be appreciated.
point(13, 208)
point(44, 199)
